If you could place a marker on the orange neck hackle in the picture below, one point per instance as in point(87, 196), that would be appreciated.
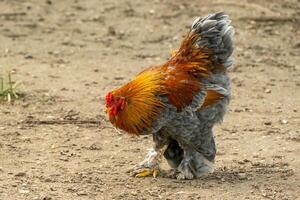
point(135, 106)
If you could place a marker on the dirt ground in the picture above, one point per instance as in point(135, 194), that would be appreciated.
point(68, 54)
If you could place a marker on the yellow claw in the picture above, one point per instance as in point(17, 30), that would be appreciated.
point(144, 173)
point(147, 172)
point(155, 173)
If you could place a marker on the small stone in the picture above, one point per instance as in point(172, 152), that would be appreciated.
point(81, 193)
point(24, 191)
point(47, 180)
point(95, 146)
point(241, 162)
point(111, 31)
point(268, 91)
point(134, 193)
point(28, 56)
point(268, 123)
point(46, 198)
point(20, 174)
point(248, 109)
point(119, 78)
point(283, 121)
point(152, 11)
point(48, 2)
point(242, 176)
point(238, 110)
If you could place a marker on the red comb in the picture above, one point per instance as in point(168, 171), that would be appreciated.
point(109, 97)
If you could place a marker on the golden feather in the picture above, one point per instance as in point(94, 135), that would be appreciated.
point(142, 106)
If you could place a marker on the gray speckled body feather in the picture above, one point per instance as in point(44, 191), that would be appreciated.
point(188, 134)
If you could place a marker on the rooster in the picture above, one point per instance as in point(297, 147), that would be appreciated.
point(180, 101)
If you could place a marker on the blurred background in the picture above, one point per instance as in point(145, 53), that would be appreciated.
point(63, 56)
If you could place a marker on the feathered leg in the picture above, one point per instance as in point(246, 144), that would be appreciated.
point(150, 165)
point(194, 163)
point(173, 154)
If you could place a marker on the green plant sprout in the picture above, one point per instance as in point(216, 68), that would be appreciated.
point(8, 91)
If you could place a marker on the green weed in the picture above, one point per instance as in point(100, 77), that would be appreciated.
point(8, 89)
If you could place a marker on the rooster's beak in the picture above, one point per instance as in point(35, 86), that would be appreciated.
point(107, 110)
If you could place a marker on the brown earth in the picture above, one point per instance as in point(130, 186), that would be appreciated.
point(68, 54)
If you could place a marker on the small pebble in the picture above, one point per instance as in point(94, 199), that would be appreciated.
point(283, 121)
point(28, 56)
point(268, 123)
point(24, 191)
point(81, 193)
point(267, 91)
point(20, 174)
point(242, 176)
point(151, 11)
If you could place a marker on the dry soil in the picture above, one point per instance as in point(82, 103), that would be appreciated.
point(68, 54)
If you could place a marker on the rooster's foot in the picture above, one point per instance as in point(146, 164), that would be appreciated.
point(144, 172)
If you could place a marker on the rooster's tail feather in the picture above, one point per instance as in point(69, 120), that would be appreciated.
point(215, 34)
